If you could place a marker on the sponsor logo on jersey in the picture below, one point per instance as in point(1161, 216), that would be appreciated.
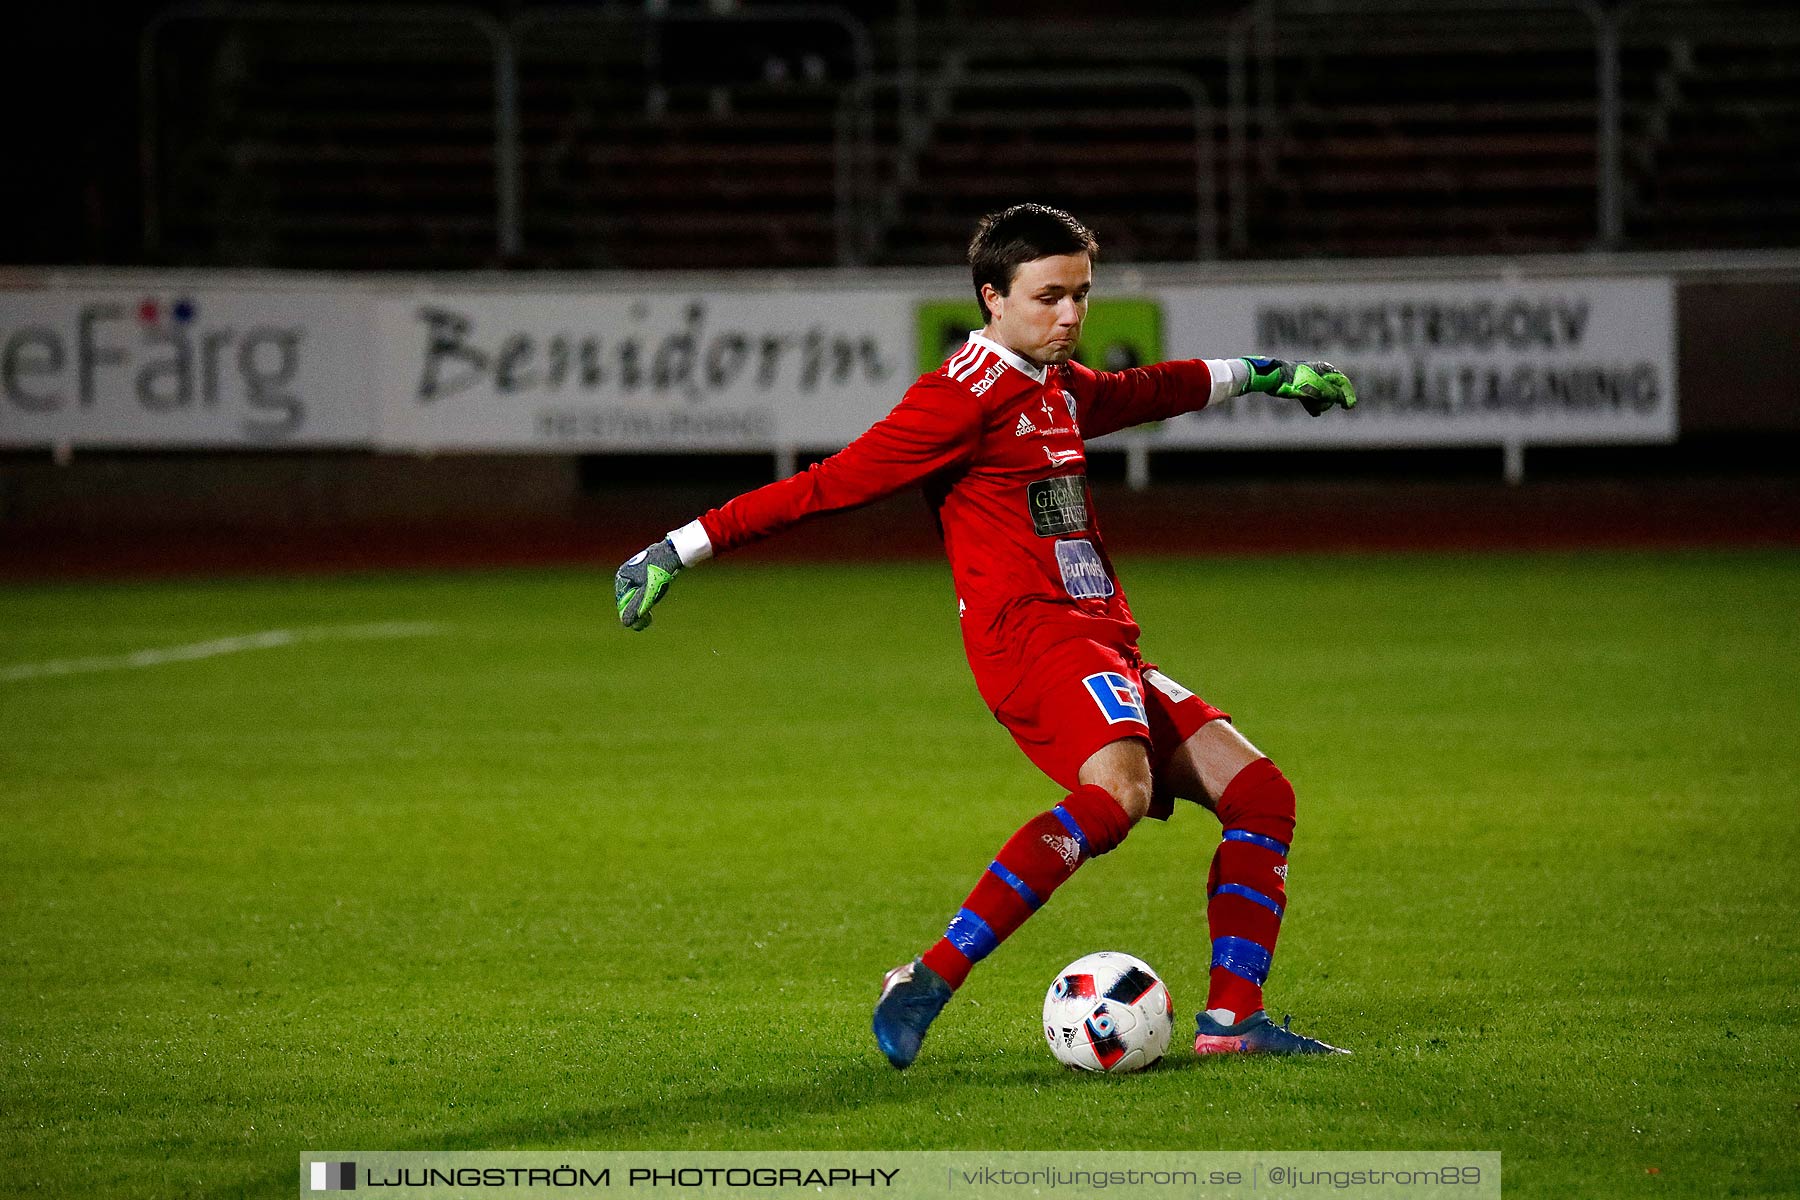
point(1117, 697)
point(1084, 575)
point(1050, 426)
point(1024, 426)
point(1167, 686)
point(1058, 505)
point(1059, 458)
point(980, 386)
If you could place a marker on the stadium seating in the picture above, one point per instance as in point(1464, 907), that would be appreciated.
point(324, 144)
point(693, 144)
point(1712, 125)
point(1426, 131)
point(1362, 127)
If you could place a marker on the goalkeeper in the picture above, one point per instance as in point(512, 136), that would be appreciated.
point(996, 438)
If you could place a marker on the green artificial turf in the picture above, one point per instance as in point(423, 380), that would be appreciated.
point(531, 881)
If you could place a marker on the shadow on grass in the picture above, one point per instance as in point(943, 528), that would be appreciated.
point(669, 1119)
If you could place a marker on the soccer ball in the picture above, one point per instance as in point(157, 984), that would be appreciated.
point(1108, 1012)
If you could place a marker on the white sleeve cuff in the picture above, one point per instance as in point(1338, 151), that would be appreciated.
point(1229, 378)
point(691, 543)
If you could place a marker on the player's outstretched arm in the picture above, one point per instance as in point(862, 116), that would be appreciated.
point(1112, 400)
point(1318, 386)
point(936, 426)
point(643, 580)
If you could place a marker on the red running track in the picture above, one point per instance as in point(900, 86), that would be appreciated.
point(1235, 518)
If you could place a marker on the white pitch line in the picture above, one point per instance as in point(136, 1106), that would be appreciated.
point(268, 639)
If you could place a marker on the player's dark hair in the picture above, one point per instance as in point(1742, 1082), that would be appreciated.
point(1012, 237)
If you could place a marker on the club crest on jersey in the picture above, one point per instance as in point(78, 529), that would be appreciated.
point(1024, 426)
point(1117, 697)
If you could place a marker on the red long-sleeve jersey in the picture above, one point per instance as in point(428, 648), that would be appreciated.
point(997, 442)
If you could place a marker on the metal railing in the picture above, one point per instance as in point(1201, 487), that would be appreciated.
point(858, 209)
point(503, 39)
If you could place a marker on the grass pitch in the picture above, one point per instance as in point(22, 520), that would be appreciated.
point(531, 882)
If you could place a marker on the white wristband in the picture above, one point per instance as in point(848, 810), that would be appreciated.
point(1230, 377)
point(691, 543)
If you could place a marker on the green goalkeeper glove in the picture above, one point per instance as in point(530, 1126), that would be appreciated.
point(641, 582)
point(1316, 385)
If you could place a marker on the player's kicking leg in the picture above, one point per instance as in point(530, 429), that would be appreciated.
point(1246, 888)
point(1039, 858)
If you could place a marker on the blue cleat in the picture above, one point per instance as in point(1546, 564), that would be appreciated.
point(912, 995)
point(1256, 1034)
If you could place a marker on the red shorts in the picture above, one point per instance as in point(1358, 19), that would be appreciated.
point(1081, 695)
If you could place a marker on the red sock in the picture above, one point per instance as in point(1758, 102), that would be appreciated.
point(1247, 887)
point(1034, 862)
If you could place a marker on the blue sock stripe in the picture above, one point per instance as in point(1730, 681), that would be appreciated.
point(1243, 958)
point(1070, 825)
point(1256, 839)
point(971, 935)
point(1250, 893)
point(999, 871)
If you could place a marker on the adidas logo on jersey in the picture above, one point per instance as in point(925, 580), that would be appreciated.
point(1024, 426)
